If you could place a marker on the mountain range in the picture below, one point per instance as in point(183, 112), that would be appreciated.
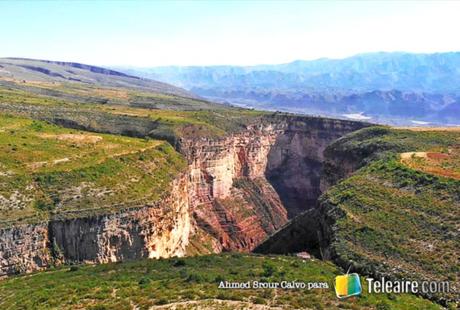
point(394, 88)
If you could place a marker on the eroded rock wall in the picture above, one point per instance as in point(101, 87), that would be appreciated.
point(295, 161)
point(158, 230)
point(280, 163)
point(24, 248)
point(230, 197)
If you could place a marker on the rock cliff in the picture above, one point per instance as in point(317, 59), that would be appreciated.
point(246, 186)
point(158, 230)
point(237, 190)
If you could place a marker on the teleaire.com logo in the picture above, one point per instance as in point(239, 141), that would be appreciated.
point(349, 285)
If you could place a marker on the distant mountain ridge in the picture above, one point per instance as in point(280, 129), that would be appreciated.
point(91, 68)
point(58, 71)
point(395, 88)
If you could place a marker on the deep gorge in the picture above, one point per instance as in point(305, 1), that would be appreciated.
point(273, 170)
point(237, 191)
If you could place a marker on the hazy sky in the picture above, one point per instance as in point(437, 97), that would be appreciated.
point(153, 33)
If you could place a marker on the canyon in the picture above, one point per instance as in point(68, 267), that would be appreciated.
point(248, 185)
point(235, 192)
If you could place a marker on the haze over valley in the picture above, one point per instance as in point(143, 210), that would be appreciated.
point(390, 88)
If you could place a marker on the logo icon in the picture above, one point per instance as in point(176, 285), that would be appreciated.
point(347, 285)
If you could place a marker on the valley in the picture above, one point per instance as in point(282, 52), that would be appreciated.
point(392, 88)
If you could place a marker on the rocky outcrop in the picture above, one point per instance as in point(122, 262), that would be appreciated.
point(24, 248)
point(158, 230)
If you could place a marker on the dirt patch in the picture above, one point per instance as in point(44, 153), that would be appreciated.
point(451, 129)
point(77, 138)
point(62, 160)
point(409, 155)
point(442, 164)
point(37, 164)
point(437, 156)
point(443, 172)
point(214, 304)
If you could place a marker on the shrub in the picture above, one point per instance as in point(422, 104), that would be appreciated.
point(42, 206)
point(161, 301)
point(269, 269)
point(196, 277)
point(179, 263)
point(144, 281)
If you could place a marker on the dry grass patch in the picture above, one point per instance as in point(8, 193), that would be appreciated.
point(445, 164)
point(77, 138)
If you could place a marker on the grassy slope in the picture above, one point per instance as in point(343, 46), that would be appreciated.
point(171, 116)
point(392, 219)
point(42, 72)
point(46, 168)
point(157, 282)
point(99, 94)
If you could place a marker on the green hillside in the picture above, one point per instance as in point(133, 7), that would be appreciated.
point(48, 169)
point(169, 118)
point(190, 283)
point(392, 217)
point(87, 97)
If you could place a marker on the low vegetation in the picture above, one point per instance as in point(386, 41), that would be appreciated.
point(188, 283)
point(166, 119)
point(46, 169)
point(398, 215)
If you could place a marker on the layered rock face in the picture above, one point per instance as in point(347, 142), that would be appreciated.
point(158, 230)
point(24, 248)
point(231, 199)
point(295, 161)
point(237, 191)
point(246, 186)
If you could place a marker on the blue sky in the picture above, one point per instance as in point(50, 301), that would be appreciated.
point(154, 33)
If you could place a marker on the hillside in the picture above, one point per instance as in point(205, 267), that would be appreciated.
point(52, 72)
point(190, 283)
point(395, 212)
point(108, 101)
point(46, 171)
point(85, 84)
point(392, 88)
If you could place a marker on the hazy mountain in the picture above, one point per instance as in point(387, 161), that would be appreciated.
point(388, 87)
